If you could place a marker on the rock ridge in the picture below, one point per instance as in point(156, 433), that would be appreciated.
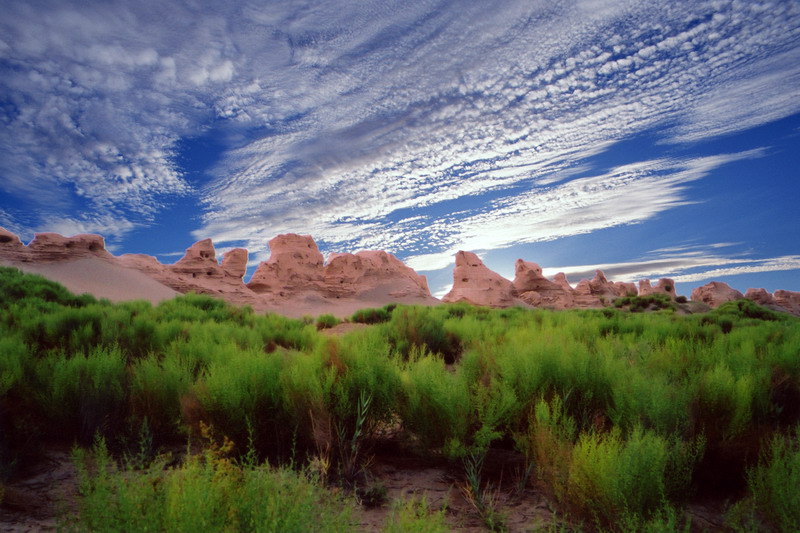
point(296, 278)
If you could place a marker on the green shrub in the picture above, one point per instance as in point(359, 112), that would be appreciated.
point(206, 493)
point(372, 315)
point(84, 395)
point(327, 321)
point(774, 481)
point(414, 516)
point(420, 327)
point(610, 475)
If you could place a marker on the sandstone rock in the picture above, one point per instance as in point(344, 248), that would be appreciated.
point(473, 282)
point(715, 293)
point(367, 272)
point(8, 239)
point(295, 264)
point(200, 260)
point(663, 286)
point(789, 300)
point(583, 295)
point(607, 291)
point(47, 247)
point(533, 288)
point(234, 263)
point(760, 296)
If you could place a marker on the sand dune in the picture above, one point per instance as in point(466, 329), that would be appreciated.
point(100, 278)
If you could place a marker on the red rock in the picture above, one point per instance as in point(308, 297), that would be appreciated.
point(473, 282)
point(533, 288)
point(351, 275)
point(200, 260)
point(48, 247)
point(663, 286)
point(715, 293)
point(295, 264)
point(8, 239)
point(234, 263)
point(789, 300)
point(607, 291)
point(760, 296)
point(583, 295)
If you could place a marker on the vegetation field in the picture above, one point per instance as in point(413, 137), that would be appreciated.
point(623, 420)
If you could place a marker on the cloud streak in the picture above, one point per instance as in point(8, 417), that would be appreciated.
point(415, 127)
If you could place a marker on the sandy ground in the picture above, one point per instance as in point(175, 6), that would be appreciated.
point(100, 278)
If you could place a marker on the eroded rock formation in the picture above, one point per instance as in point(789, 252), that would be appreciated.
point(295, 265)
point(715, 293)
point(534, 289)
point(474, 283)
point(663, 286)
point(760, 296)
point(297, 272)
point(789, 300)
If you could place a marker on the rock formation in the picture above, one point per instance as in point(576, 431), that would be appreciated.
point(200, 260)
point(715, 293)
point(533, 288)
point(234, 263)
point(296, 279)
point(295, 265)
point(760, 296)
point(474, 283)
point(789, 300)
point(372, 272)
point(50, 247)
point(663, 286)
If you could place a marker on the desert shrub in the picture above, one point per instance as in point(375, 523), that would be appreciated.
point(610, 475)
point(744, 308)
point(681, 299)
point(724, 402)
point(241, 396)
point(772, 483)
point(205, 493)
point(415, 516)
point(83, 395)
point(419, 327)
point(547, 444)
point(156, 387)
point(372, 315)
point(435, 405)
point(327, 321)
point(651, 302)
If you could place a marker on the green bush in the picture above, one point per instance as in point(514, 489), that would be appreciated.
point(327, 321)
point(414, 516)
point(206, 493)
point(774, 481)
point(610, 476)
point(372, 315)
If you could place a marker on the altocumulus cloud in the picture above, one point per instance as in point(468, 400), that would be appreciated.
point(416, 127)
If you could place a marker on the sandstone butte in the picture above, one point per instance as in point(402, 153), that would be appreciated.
point(297, 280)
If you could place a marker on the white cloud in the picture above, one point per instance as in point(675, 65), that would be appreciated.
point(405, 127)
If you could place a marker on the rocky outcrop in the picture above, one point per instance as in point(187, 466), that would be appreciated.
point(372, 273)
point(715, 293)
point(200, 260)
point(760, 296)
point(663, 286)
point(234, 263)
point(51, 247)
point(534, 289)
point(297, 280)
point(788, 300)
point(295, 265)
point(474, 283)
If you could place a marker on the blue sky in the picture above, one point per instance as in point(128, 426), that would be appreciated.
point(647, 138)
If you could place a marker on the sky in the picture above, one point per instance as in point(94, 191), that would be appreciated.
point(648, 139)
